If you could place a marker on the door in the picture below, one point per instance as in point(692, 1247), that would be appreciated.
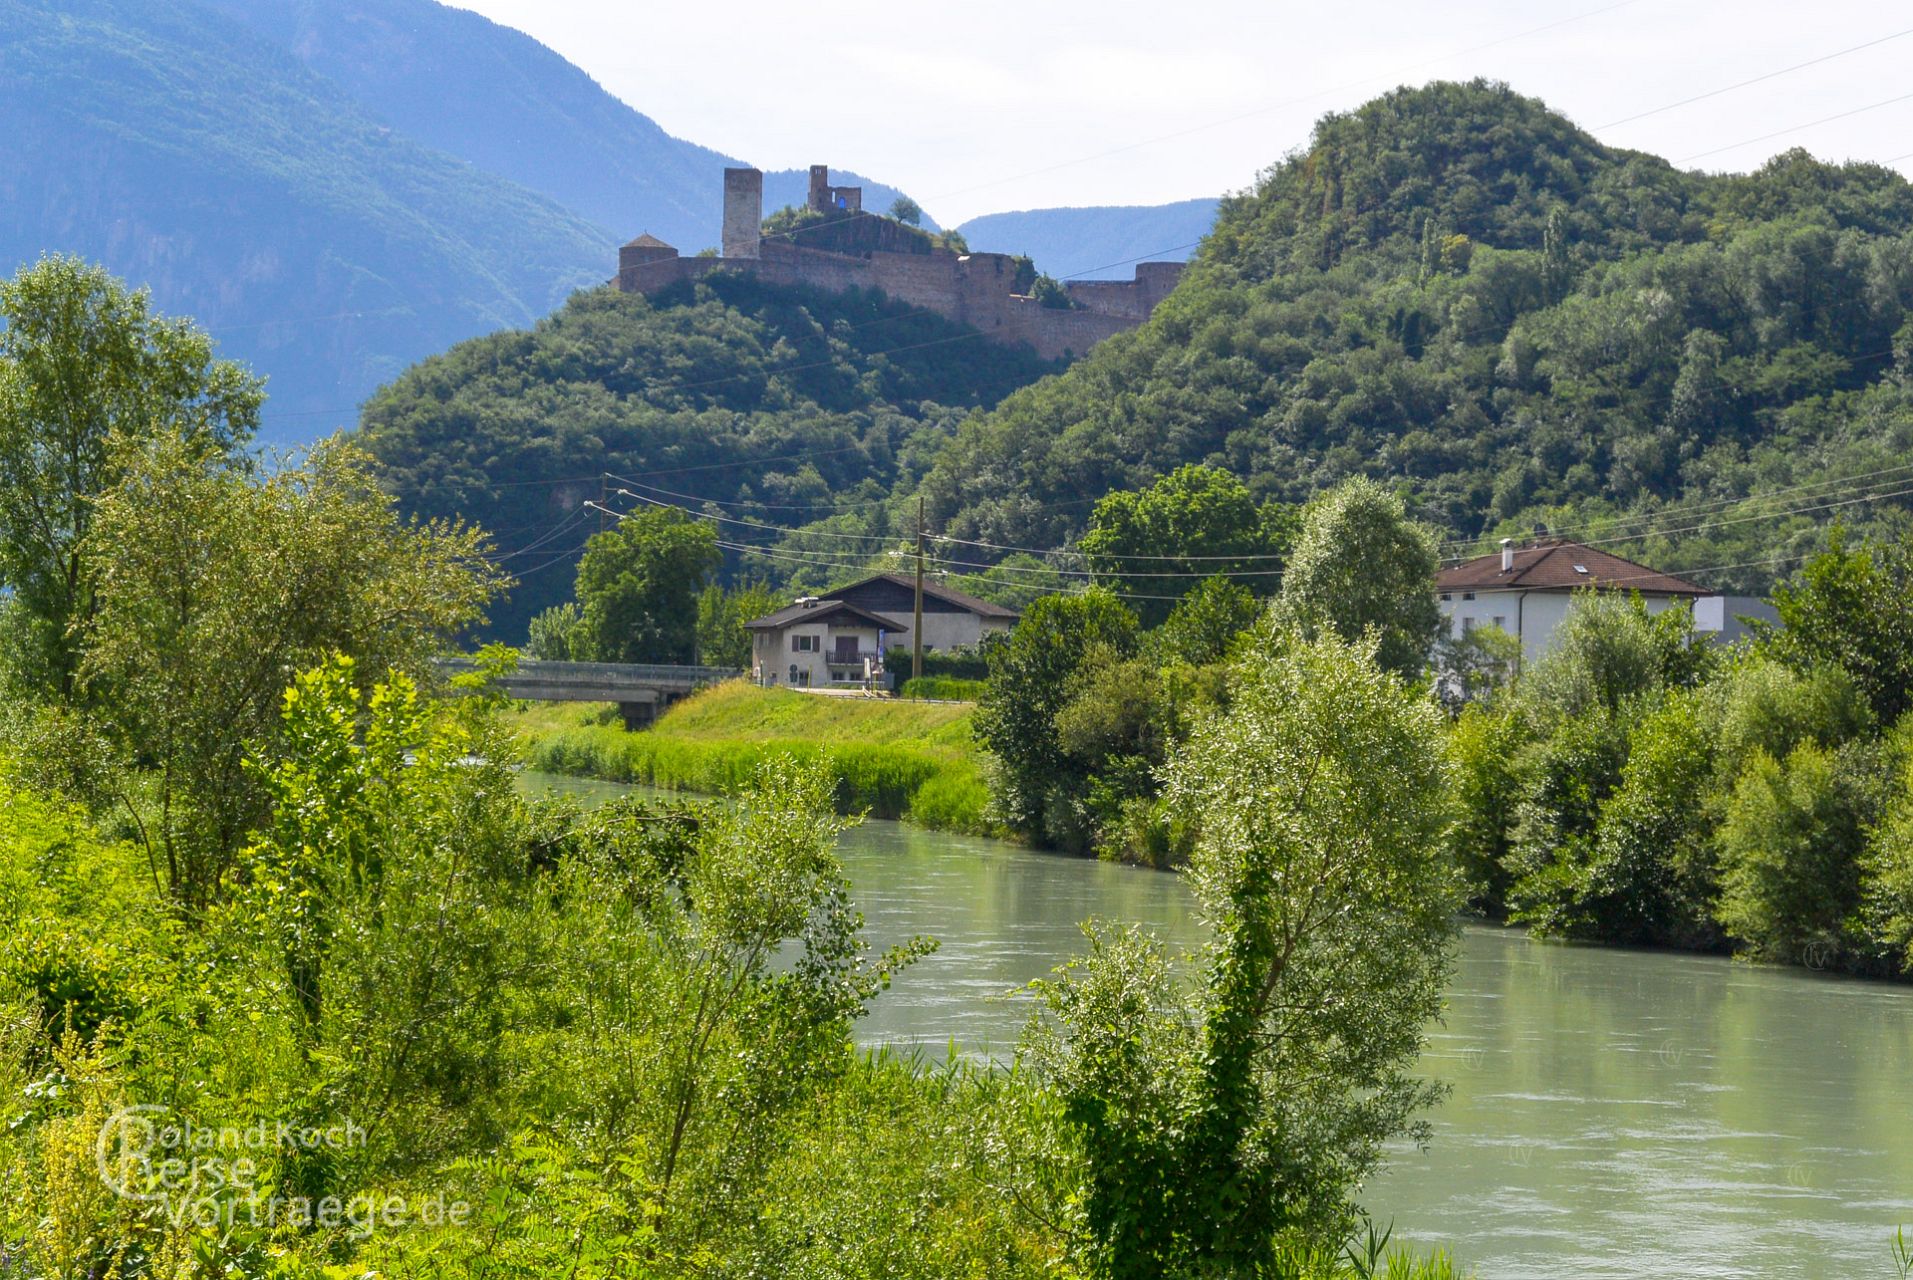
point(846, 648)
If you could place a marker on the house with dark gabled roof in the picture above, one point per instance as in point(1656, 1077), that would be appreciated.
point(839, 638)
point(1528, 590)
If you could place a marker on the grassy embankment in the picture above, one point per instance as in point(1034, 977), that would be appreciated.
point(896, 759)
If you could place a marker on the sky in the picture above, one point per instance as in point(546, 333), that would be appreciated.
point(993, 105)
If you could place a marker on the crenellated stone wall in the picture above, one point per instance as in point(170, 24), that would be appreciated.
point(973, 289)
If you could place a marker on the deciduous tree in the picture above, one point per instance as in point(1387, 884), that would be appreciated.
point(215, 585)
point(1220, 1119)
point(1361, 563)
point(1030, 682)
point(638, 586)
point(1155, 544)
point(87, 373)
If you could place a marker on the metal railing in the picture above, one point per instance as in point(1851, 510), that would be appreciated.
point(637, 674)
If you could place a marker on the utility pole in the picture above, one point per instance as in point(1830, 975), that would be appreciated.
point(916, 616)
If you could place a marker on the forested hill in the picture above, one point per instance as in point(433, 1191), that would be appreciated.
point(773, 404)
point(1455, 288)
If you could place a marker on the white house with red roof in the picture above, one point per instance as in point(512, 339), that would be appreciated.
point(1528, 590)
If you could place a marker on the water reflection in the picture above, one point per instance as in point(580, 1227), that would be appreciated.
point(1613, 1114)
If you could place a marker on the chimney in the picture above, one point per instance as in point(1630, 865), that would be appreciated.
point(1507, 555)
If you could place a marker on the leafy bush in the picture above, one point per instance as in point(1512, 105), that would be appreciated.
point(1257, 1093)
point(1791, 850)
point(945, 688)
point(961, 663)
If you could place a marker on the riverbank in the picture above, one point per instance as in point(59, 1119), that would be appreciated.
point(915, 761)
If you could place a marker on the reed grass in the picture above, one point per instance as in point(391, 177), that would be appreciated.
point(892, 759)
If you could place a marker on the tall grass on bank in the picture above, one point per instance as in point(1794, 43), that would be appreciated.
point(892, 759)
point(888, 780)
point(945, 688)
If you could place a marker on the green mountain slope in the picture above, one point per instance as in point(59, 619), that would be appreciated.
point(768, 404)
point(1096, 242)
point(1458, 290)
point(190, 156)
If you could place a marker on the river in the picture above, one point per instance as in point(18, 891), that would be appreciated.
point(1613, 1113)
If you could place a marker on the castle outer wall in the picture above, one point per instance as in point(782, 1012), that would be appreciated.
point(970, 289)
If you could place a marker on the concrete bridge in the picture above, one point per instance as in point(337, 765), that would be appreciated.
point(640, 690)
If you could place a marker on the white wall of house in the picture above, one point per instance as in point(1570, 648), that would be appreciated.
point(965, 630)
point(1532, 615)
point(806, 654)
point(1724, 618)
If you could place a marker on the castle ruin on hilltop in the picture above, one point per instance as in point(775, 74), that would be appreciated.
point(833, 244)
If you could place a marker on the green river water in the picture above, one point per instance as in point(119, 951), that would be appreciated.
point(1613, 1113)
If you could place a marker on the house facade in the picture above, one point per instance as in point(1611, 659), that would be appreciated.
point(838, 639)
point(1528, 592)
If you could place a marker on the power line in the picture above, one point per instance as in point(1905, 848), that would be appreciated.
point(1841, 115)
point(1689, 511)
point(560, 558)
point(1715, 93)
point(836, 509)
point(1154, 256)
point(1289, 102)
point(569, 522)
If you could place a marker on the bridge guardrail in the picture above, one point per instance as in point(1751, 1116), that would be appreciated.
point(634, 673)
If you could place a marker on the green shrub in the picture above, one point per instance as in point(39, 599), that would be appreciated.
point(1482, 747)
point(944, 688)
point(1566, 778)
point(962, 663)
point(1652, 875)
point(955, 799)
point(1790, 853)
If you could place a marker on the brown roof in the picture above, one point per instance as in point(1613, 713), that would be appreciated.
point(962, 599)
point(1557, 565)
point(647, 241)
point(822, 609)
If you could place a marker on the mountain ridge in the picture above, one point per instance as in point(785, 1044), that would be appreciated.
point(259, 168)
point(1095, 242)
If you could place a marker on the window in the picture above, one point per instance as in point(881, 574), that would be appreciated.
point(1447, 595)
point(804, 644)
point(1467, 595)
point(1580, 568)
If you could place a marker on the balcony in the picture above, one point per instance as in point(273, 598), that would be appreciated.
point(847, 667)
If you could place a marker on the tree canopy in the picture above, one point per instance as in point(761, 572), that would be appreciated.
point(774, 407)
point(638, 588)
point(87, 375)
point(1153, 545)
point(1455, 290)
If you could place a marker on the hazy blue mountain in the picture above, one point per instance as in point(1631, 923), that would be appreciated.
point(335, 188)
point(327, 249)
point(1095, 243)
point(498, 99)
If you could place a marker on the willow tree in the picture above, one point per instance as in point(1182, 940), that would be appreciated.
point(1226, 1119)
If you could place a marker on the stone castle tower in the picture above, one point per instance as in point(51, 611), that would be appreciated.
point(842, 248)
